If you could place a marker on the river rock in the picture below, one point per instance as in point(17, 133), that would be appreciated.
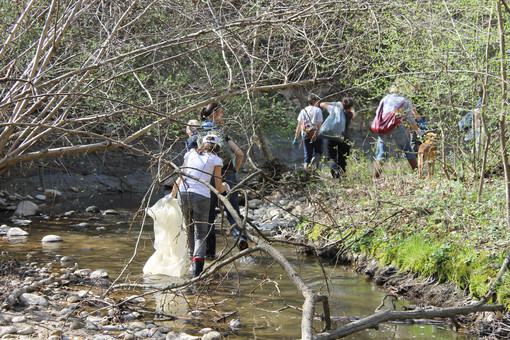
point(28, 299)
point(132, 316)
point(136, 300)
point(171, 336)
point(92, 209)
point(67, 259)
point(52, 238)
point(26, 208)
point(213, 335)
point(65, 312)
point(75, 324)
point(40, 197)
point(81, 226)
point(102, 337)
point(7, 330)
point(184, 336)
point(26, 331)
point(4, 229)
point(110, 212)
point(137, 325)
point(83, 293)
point(99, 274)
point(255, 203)
point(18, 319)
point(22, 223)
point(83, 272)
point(274, 213)
point(52, 193)
point(205, 330)
point(15, 232)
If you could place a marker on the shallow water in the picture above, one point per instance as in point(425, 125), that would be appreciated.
point(254, 290)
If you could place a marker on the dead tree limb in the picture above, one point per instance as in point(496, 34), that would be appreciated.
point(373, 321)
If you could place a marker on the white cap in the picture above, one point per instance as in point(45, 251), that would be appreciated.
point(211, 138)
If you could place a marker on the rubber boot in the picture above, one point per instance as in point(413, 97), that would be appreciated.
point(377, 169)
point(198, 266)
point(413, 163)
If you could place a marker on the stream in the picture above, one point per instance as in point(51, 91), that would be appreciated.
point(250, 299)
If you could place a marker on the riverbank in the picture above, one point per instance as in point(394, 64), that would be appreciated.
point(441, 243)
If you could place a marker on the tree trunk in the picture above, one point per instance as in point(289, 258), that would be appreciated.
point(502, 126)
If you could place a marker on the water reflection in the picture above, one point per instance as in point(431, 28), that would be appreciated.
point(17, 239)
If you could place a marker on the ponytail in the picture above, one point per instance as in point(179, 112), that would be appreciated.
point(208, 110)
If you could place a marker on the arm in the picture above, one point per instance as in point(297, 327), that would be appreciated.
point(324, 105)
point(410, 111)
point(218, 183)
point(175, 189)
point(238, 153)
point(298, 130)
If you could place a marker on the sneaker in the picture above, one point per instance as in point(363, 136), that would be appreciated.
point(242, 244)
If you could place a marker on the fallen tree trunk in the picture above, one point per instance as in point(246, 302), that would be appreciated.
point(373, 321)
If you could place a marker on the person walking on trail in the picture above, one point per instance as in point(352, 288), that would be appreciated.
point(211, 116)
point(339, 149)
point(194, 197)
point(400, 105)
point(309, 124)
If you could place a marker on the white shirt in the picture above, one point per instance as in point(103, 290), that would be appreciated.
point(311, 114)
point(200, 166)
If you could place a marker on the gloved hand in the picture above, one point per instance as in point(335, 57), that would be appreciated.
point(295, 143)
point(168, 197)
point(422, 124)
point(420, 132)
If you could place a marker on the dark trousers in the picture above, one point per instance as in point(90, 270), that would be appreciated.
point(338, 151)
point(312, 149)
point(230, 178)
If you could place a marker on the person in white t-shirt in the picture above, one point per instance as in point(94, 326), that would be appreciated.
point(194, 196)
point(339, 150)
point(309, 124)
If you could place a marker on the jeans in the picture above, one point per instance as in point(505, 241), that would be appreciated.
point(312, 149)
point(195, 210)
point(230, 178)
point(399, 136)
point(337, 154)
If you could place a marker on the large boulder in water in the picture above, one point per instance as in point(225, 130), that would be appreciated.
point(26, 208)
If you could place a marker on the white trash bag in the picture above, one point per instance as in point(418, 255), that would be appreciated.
point(171, 257)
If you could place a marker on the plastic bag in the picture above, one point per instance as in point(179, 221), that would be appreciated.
point(171, 257)
point(334, 126)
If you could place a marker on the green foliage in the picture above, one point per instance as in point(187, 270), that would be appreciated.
point(442, 229)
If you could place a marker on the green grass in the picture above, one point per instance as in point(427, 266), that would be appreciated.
point(442, 228)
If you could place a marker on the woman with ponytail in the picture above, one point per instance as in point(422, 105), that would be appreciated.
point(211, 116)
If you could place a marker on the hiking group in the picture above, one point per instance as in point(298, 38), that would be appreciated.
point(334, 132)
